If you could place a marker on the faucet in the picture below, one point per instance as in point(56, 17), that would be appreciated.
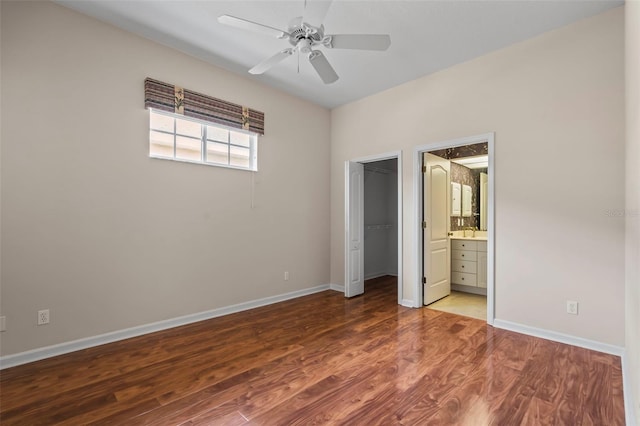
point(469, 228)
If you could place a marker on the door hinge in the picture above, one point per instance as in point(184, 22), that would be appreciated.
point(424, 225)
point(424, 169)
point(424, 280)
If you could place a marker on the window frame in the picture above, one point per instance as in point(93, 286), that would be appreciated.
point(204, 140)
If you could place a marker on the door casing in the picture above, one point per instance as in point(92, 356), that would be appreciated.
point(369, 159)
point(418, 207)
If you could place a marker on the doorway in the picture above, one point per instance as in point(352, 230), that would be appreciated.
point(373, 222)
point(380, 218)
point(456, 253)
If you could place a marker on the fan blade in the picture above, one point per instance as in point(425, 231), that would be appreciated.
point(322, 67)
point(360, 41)
point(315, 11)
point(269, 62)
point(251, 26)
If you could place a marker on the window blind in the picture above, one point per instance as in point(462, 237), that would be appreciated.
point(171, 98)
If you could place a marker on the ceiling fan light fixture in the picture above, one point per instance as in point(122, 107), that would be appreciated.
point(304, 46)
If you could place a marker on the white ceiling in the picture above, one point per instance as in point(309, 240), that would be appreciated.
point(426, 36)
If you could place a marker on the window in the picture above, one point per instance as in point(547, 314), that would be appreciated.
point(175, 137)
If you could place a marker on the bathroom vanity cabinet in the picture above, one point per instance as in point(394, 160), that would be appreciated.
point(469, 262)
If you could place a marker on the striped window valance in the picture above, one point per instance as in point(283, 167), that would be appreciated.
point(167, 97)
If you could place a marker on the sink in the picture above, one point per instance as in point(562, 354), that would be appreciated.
point(468, 235)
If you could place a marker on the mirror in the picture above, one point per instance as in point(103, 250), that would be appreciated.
point(470, 182)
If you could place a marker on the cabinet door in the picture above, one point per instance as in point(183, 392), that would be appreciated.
point(456, 196)
point(466, 200)
point(482, 269)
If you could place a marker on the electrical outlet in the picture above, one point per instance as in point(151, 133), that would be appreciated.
point(286, 275)
point(3, 323)
point(43, 317)
point(572, 307)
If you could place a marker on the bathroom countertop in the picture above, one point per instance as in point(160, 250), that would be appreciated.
point(470, 238)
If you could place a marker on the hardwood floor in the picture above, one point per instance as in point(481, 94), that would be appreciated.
point(321, 359)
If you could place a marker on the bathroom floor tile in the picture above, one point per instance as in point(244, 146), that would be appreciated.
point(466, 304)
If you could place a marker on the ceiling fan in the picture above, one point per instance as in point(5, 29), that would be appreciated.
point(306, 38)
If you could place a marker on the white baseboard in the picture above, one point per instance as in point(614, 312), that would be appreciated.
point(468, 289)
point(559, 337)
point(114, 336)
point(627, 389)
point(587, 344)
point(407, 303)
point(336, 287)
point(371, 276)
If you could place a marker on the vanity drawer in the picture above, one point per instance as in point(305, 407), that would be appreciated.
point(464, 279)
point(464, 255)
point(482, 246)
point(463, 245)
point(463, 266)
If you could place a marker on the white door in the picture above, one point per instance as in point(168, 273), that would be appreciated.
point(437, 249)
point(354, 269)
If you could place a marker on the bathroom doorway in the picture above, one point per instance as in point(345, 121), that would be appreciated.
point(455, 211)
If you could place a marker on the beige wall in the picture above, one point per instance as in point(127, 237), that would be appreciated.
point(632, 25)
point(107, 238)
point(556, 105)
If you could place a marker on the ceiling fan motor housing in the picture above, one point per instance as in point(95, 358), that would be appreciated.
point(307, 34)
